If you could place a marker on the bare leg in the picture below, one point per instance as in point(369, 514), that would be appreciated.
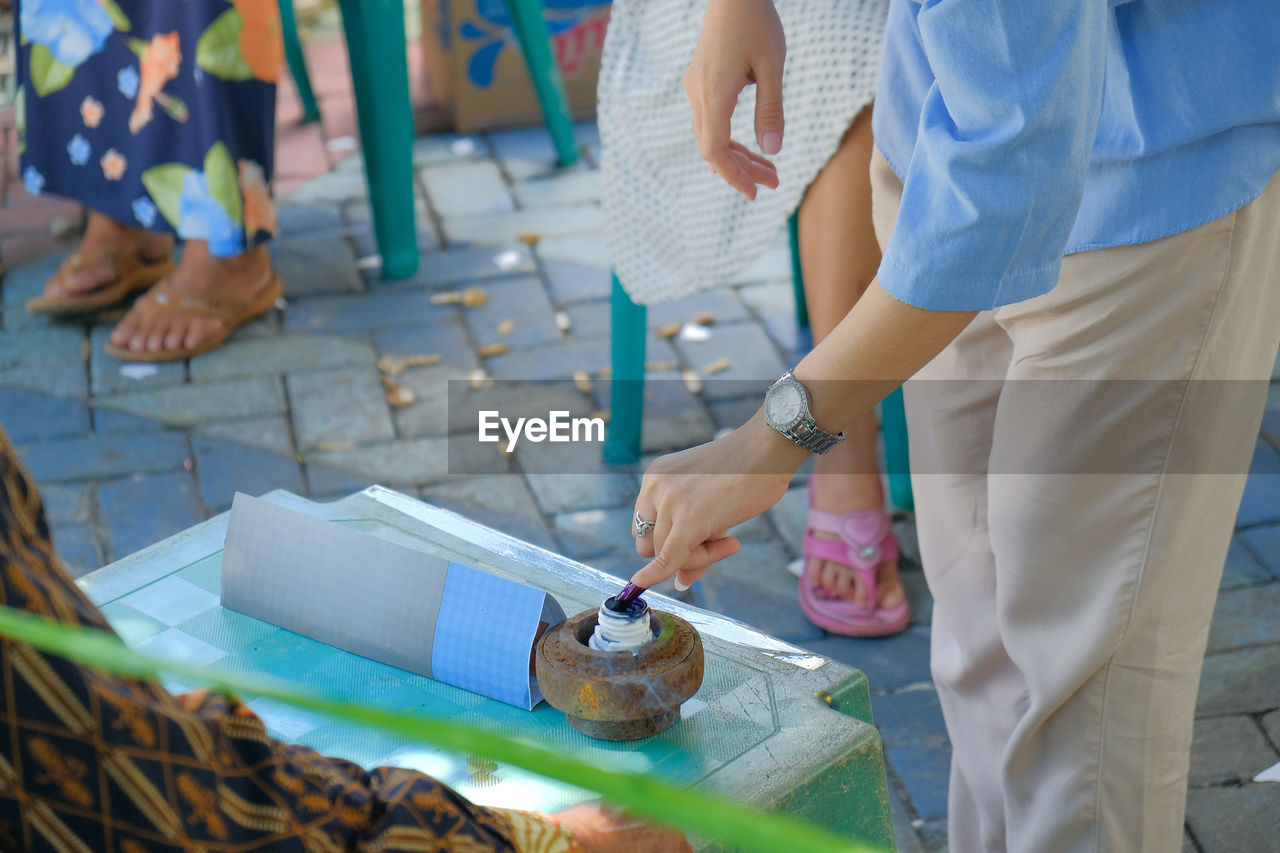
point(198, 275)
point(104, 241)
point(840, 255)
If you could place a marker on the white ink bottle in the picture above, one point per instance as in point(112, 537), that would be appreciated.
point(624, 629)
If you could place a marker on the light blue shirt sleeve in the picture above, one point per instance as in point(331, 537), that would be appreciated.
point(997, 172)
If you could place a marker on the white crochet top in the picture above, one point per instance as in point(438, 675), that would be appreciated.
point(672, 227)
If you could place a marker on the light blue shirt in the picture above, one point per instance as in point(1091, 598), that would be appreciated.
point(1024, 130)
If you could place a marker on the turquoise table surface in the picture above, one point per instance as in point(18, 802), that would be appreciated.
point(772, 725)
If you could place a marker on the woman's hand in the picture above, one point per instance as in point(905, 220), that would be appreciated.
point(741, 43)
point(695, 496)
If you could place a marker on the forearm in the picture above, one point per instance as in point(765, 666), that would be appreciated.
point(877, 346)
point(880, 344)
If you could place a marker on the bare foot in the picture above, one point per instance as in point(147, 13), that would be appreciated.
point(199, 276)
point(845, 492)
point(95, 262)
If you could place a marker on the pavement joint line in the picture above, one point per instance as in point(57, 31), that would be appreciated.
point(299, 458)
point(433, 213)
point(97, 520)
point(1243, 647)
point(1257, 525)
point(899, 787)
point(914, 687)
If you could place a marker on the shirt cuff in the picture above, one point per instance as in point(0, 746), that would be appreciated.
point(938, 290)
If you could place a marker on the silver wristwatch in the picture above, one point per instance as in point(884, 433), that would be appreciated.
point(786, 409)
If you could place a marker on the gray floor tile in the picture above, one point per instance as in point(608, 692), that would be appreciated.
point(459, 266)
point(77, 547)
point(284, 353)
point(1240, 681)
point(916, 745)
point(68, 503)
point(1228, 750)
point(224, 468)
point(312, 265)
point(1235, 820)
point(31, 416)
point(367, 312)
point(347, 405)
point(273, 433)
point(141, 509)
point(502, 502)
point(187, 405)
point(1246, 617)
point(521, 302)
point(97, 457)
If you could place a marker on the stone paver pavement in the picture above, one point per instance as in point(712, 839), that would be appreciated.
point(299, 400)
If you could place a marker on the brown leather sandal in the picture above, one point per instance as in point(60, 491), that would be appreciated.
point(132, 275)
point(162, 300)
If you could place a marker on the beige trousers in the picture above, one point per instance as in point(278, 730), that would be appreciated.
point(1078, 460)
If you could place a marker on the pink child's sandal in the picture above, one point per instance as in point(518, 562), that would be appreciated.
point(866, 541)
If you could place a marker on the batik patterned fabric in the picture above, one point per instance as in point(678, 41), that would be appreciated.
point(159, 114)
point(92, 762)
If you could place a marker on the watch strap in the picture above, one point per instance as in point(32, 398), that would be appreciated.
point(813, 438)
point(806, 433)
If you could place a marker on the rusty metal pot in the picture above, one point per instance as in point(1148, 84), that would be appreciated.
point(620, 695)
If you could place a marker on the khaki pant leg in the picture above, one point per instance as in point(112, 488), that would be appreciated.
point(1123, 438)
point(1072, 599)
point(951, 410)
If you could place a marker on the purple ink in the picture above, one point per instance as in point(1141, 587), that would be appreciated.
point(630, 593)
point(622, 629)
point(631, 609)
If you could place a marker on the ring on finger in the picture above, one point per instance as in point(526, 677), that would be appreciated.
point(642, 528)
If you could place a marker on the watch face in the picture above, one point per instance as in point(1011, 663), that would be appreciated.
point(784, 405)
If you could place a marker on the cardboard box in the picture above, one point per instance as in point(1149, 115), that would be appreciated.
point(478, 70)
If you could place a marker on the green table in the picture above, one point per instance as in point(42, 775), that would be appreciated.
point(772, 725)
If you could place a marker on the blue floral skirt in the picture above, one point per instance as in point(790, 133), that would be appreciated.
point(159, 114)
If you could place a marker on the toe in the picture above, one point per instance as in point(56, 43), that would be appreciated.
point(55, 286)
point(892, 593)
point(141, 335)
point(840, 581)
point(88, 278)
point(125, 330)
point(121, 335)
point(201, 330)
point(832, 579)
point(821, 579)
point(850, 587)
point(176, 334)
point(153, 338)
point(837, 581)
point(78, 279)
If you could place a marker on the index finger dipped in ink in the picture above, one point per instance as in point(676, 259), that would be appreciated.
point(629, 593)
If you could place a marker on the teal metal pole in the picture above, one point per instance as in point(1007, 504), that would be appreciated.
point(535, 41)
point(797, 273)
point(626, 399)
point(893, 426)
point(297, 62)
point(380, 77)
